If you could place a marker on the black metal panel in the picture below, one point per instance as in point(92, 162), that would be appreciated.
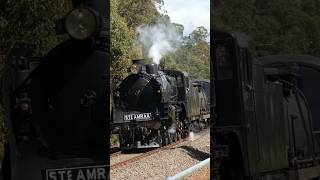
point(309, 84)
point(286, 60)
point(196, 101)
point(140, 92)
point(264, 142)
point(272, 130)
point(226, 82)
point(69, 99)
point(267, 129)
point(300, 125)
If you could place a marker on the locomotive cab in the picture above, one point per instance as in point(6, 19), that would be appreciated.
point(182, 80)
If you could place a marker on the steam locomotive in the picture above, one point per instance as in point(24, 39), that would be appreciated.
point(267, 124)
point(56, 104)
point(153, 107)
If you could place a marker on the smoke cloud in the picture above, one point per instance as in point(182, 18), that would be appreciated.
point(158, 39)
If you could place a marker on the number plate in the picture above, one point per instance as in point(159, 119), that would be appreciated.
point(98, 172)
point(137, 117)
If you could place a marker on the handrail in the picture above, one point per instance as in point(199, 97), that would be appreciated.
point(189, 170)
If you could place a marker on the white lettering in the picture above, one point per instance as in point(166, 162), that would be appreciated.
point(69, 174)
point(61, 174)
point(80, 175)
point(91, 174)
point(52, 176)
point(101, 173)
point(137, 116)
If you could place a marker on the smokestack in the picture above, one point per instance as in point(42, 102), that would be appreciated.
point(152, 68)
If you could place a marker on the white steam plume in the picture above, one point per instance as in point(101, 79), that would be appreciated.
point(158, 39)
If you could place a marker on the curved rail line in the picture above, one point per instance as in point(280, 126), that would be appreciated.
point(148, 153)
point(144, 155)
point(115, 154)
point(151, 152)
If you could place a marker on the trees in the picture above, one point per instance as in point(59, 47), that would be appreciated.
point(128, 15)
point(139, 12)
point(192, 56)
point(31, 22)
point(122, 38)
point(275, 26)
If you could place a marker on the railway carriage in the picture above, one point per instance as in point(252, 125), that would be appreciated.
point(267, 113)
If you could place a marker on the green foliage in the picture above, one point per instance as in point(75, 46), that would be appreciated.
point(275, 26)
point(32, 22)
point(139, 12)
point(126, 15)
point(193, 56)
point(121, 40)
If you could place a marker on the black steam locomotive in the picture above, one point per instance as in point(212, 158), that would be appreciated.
point(155, 107)
point(267, 124)
point(56, 104)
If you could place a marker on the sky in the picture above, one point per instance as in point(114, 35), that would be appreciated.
point(190, 13)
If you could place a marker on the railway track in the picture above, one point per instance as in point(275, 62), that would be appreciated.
point(144, 155)
point(149, 153)
point(115, 154)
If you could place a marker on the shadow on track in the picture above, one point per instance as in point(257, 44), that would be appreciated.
point(195, 153)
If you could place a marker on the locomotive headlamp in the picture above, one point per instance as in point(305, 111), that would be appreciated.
point(135, 68)
point(82, 23)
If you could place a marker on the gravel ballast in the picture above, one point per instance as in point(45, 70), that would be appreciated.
point(167, 162)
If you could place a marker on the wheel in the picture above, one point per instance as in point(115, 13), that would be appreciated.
point(194, 127)
point(175, 136)
point(179, 136)
point(184, 134)
point(170, 136)
point(165, 140)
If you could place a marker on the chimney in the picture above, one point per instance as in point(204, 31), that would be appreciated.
point(152, 68)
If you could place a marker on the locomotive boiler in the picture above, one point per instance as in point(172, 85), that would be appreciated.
point(155, 107)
